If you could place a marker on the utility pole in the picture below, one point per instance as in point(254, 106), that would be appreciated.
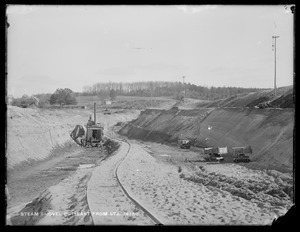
point(183, 87)
point(151, 96)
point(274, 46)
point(151, 93)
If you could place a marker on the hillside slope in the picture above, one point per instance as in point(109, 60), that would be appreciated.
point(268, 131)
point(33, 133)
point(283, 99)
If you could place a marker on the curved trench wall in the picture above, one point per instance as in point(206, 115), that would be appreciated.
point(268, 131)
point(32, 133)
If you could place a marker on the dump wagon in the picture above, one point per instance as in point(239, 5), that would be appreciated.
point(222, 150)
point(185, 144)
point(215, 153)
point(241, 154)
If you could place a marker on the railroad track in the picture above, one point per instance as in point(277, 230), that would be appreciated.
point(110, 201)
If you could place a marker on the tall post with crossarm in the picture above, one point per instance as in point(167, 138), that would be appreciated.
point(183, 87)
point(274, 47)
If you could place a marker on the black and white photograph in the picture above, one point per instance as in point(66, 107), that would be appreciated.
point(149, 115)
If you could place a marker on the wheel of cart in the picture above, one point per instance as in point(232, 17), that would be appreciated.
point(83, 142)
point(94, 144)
point(98, 145)
point(86, 143)
point(89, 144)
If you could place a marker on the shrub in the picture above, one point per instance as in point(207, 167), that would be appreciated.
point(25, 101)
point(112, 94)
point(63, 97)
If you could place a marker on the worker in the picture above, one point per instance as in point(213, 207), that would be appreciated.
point(90, 122)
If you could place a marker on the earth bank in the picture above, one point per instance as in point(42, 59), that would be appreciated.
point(268, 131)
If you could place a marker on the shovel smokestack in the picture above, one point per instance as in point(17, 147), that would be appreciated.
point(95, 113)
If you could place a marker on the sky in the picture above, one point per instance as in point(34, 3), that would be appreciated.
point(50, 47)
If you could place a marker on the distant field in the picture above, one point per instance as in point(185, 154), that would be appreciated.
point(87, 100)
point(128, 102)
point(141, 98)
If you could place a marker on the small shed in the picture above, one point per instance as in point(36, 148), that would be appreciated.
point(106, 102)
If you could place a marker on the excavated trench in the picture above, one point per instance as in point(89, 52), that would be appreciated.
point(268, 131)
point(40, 154)
point(67, 173)
point(31, 171)
point(267, 181)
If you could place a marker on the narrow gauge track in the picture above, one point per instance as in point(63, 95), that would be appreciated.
point(106, 194)
point(127, 194)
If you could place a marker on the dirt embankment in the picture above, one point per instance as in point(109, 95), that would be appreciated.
point(284, 99)
point(33, 133)
point(41, 154)
point(268, 131)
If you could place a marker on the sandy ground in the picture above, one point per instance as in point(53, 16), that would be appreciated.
point(33, 133)
point(26, 185)
point(62, 204)
point(68, 203)
point(173, 196)
point(38, 139)
point(174, 192)
point(65, 191)
point(269, 132)
point(46, 159)
point(108, 203)
point(59, 183)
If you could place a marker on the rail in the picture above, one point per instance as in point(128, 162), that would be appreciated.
point(143, 208)
point(131, 197)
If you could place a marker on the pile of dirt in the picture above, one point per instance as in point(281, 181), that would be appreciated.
point(284, 99)
point(33, 211)
point(268, 131)
point(268, 188)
